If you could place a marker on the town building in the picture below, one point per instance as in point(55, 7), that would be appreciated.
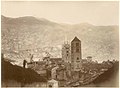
point(52, 84)
point(52, 62)
point(38, 66)
point(59, 72)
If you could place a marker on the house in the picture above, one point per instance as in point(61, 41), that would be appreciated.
point(52, 61)
point(53, 83)
point(38, 66)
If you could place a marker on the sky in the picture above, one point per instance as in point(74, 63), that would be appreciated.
point(70, 12)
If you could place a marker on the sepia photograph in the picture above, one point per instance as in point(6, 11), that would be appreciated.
point(54, 44)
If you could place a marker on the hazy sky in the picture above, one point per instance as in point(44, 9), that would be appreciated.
point(97, 13)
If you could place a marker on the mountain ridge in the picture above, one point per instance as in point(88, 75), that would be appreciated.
point(32, 17)
point(97, 41)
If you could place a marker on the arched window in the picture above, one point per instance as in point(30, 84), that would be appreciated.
point(77, 58)
point(67, 54)
point(67, 51)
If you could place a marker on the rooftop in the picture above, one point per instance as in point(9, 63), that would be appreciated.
point(75, 39)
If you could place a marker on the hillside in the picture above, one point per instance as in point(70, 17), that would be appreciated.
point(19, 74)
point(110, 78)
point(32, 33)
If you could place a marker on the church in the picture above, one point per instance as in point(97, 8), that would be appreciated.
point(72, 54)
point(65, 68)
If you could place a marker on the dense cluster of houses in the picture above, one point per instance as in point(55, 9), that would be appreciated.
point(69, 68)
point(65, 68)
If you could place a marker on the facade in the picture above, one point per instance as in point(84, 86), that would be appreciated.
point(53, 72)
point(76, 55)
point(59, 73)
point(66, 56)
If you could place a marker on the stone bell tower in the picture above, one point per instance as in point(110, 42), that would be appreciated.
point(76, 55)
point(66, 56)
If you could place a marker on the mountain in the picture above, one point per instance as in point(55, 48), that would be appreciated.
point(39, 34)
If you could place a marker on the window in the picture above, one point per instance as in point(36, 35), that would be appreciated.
point(71, 49)
point(67, 48)
point(77, 58)
point(77, 50)
point(67, 52)
point(77, 47)
point(77, 44)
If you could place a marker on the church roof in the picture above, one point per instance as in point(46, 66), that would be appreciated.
point(56, 59)
point(75, 39)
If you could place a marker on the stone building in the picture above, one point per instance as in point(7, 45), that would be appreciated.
point(59, 73)
point(66, 56)
point(76, 55)
point(52, 84)
point(53, 73)
point(52, 62)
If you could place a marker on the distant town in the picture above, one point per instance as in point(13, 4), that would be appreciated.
point(70, 70)
point(59, 44)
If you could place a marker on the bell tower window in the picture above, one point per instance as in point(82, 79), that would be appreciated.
point(67, 54)
point(77, 58)
point(77, 50)
point(77, 47)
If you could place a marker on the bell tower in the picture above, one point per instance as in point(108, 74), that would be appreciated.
point(66, 52)
point(76, 55)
